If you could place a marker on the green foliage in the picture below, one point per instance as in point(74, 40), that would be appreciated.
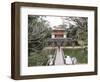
point(72, 32)
point(80, 54)
point(40, 58)
point(37, 59)
point(38, 33)
point(79, 30)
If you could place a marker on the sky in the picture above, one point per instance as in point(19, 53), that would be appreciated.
point(55, 21)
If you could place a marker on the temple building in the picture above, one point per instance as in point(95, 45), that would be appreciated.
point(59, 37)
point(58, 33)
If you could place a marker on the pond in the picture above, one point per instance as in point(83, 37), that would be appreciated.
point(80, 54)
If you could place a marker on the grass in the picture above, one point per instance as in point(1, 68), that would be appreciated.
point(40, 58)
point(80, 54)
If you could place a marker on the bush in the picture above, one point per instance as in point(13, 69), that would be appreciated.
point(39, 58)
point(80, 54)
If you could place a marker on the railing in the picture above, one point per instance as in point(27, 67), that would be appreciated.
point(63, 56)
point(54, 57)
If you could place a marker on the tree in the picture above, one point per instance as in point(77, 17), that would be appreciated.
point(78, 29)
point(37, 33)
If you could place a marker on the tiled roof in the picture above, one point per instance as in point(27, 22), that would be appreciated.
point(58, 28)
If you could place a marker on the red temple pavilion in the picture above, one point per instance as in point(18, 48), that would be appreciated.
point(58, 32)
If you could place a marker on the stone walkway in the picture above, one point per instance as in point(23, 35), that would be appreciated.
point(59, 57)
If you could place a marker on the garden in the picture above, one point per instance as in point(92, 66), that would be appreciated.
point(79, 54)
point(42, 52)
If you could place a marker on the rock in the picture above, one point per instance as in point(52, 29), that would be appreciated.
point(68, 60)
point(74, 60)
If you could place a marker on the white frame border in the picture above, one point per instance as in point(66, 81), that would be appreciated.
point(25, 70)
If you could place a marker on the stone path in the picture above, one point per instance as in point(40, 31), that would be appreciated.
point(59, 57)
